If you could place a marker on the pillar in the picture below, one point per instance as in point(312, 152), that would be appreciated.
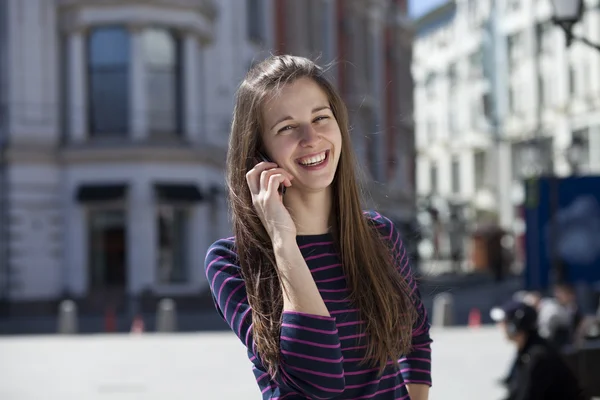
point(77, 91)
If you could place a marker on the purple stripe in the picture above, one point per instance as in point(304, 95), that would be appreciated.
point(350, 323)
point(333, 290)
point(325, 389)
point(319, 256)
point(223, 285)
point(260, 377)
point(366, 371)
point(325, 267)
point(305, 246)
point(409, 381)
point(344, 311)
point(409, 359)
point(247, 339)
point(335, 301)
point(423, 371)
point(415, 349)
point(290, 379)
point(271, 387)
point(339, 278)
point(246, 313)
point(325, 360)
point(392, 375)
point(238, 287)
point(353, 336)
point(355, 348)
point(237, 309)
point(315, 344)
point(323, 374)
point(377, 393)
point(305, 328)
point(314, 316)
point(391, 228)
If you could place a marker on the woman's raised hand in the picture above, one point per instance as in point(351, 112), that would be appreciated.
point(264, 181)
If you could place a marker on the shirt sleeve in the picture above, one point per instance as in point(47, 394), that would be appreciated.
point(415, 367)
point(311, 355)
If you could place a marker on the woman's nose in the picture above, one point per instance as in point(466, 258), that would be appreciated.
point(309, 135)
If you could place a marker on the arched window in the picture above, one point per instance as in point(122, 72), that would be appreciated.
point(108, 69)
point(162, 54)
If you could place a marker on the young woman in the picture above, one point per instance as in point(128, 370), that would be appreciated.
point(318, 291)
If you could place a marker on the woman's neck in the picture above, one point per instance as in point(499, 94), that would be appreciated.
point(310, 211)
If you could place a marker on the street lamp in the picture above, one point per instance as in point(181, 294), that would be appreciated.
point(531, 159)
point(566, 14)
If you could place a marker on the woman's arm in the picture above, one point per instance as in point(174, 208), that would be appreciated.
point(311, 355)
point(418, 391)
point(300, 292)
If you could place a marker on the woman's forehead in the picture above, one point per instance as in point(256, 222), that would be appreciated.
point(299, 96)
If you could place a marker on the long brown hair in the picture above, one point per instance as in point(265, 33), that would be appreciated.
point(376, 288)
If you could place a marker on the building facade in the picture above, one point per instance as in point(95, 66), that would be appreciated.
point(491, 77)
point(114, 121)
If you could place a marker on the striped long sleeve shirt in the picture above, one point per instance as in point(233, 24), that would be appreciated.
point(321, 356)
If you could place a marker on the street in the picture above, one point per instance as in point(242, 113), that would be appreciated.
point(466, 364)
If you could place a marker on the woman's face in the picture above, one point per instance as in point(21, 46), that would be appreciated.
point(301, 134)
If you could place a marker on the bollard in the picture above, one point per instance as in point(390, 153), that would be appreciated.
point(166, 318)
point(67, 317)
point(443, 310)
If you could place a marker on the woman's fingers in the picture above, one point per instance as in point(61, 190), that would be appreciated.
point(275, 181)
point(253, 176)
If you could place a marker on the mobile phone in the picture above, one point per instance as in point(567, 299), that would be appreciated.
point(265, 158)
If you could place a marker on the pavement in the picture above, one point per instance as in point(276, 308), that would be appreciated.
point(466, 363)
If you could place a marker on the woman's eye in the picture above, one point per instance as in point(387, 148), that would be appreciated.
point(285, 128)
point(321, 118)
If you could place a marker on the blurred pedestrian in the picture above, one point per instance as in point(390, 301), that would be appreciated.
point(312, 285)
point(566, 296)
point(553, 319)
point(539, 371)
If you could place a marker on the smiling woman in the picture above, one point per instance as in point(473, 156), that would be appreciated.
point(318, 290)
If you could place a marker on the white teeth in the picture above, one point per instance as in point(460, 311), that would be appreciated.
point(314, 160)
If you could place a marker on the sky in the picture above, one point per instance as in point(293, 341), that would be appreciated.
point(417, 8)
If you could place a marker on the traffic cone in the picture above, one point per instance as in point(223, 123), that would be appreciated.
point(474, 318)
point(110, 320)
point(138, 325)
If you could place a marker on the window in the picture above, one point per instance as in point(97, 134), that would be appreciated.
point(544, 32)
point(431, 128)
point(430, 82)
point(254, 20)
point(173, 244)
point(476, 64)
point(452, 76)
point(108, 70)
point(543, 97)
point(513, 5)
point(479, 161)
point(3, 66)
point(455, 176)
point(512, 99)
point(572, 80)
point(452, 119)
point(163, 79)
point(325, 17)
point(433, 178)
point(515, 50)
point(107, 248)
point(581, 138)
